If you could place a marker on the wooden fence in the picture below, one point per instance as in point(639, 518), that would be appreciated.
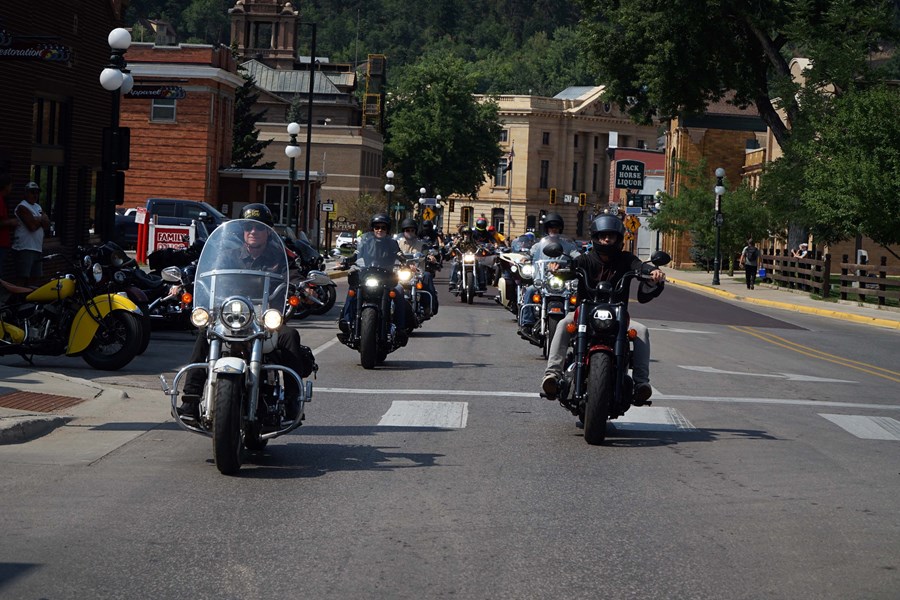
point(869, 280)
point(812, 275)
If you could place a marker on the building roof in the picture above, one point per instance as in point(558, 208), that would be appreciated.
point(576, 92)
point(281, 81)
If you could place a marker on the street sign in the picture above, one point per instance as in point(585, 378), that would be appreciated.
point(633, 210)
point(328, 206)
point(632, 223)
point(629, 175)
point(428, 214)
point(430, 201)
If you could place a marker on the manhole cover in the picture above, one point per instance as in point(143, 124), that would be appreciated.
point(31, 401)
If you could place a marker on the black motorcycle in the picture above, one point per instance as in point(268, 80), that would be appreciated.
point(596, 386)
point(374, 290)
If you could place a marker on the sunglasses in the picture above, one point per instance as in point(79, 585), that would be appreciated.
point(410, 229)
point(379, 228)
point(259, 227)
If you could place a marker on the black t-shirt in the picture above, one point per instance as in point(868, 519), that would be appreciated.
point(613, 270)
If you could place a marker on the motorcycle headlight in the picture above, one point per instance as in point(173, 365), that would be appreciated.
point(272, 319)
point(97, 271)
point(572, 285)
point(528, 270)
point(236, 313)
point(468, 257)
point(200, 318)
point(556, 283)
point(603, 320)
point(87, 262)
point(372, 283)
point(405, 275)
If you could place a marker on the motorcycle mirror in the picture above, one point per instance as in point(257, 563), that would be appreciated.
point(553, 250)
point(660, 258)
point(171, 274)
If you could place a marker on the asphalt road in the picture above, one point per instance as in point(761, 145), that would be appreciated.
point(754, 474)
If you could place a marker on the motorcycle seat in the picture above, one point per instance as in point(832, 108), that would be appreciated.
point(147, 281)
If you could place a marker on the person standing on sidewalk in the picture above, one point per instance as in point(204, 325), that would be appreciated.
point(750, 262)
point(29, 242)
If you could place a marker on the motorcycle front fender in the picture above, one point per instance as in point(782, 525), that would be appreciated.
point(84, 327)
point(230, 365)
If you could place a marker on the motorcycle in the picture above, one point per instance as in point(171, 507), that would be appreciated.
point(596, 386)
point(373, 331)
point(552, 299)
point(240, 311)
point(420, 300)
point(314, 285)
point(515, 273)
point(471, 272)
point(67, 316)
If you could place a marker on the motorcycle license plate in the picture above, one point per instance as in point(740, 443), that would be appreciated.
point(582, 328)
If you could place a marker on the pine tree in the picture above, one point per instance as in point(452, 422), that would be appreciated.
point(247, 149)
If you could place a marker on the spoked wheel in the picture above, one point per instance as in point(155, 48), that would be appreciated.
point(327, 294)
point(599, 395)
point(227, 444)
point(368, 342)
point(116, 341)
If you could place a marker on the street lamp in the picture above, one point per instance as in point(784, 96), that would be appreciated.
point(657, 206)
point(389, 188)
point(438, 198)
point(720, 218)
point(292, 150)
point(421, 201)
point(116, 79)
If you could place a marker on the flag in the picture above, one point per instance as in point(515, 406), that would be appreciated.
point(509, 159)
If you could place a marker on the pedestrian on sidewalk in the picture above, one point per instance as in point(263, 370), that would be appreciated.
point(750, 262)
point(29, 242)
point(801, 251)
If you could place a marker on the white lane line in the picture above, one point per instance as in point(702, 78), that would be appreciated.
point(419, 413)
point(650, 418)
point(325, 346)
point(867, 428)
point(676, 330)
point(788, 376)
point(657, 396)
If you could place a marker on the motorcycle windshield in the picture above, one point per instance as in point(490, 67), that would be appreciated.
point(522, 243)
point(373, 252)
point(246, 259)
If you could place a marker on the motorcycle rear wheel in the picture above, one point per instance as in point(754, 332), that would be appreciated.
point(599, 394)
point(368, 338)
point(146, 327)
point(227, 446)
point(116, 342)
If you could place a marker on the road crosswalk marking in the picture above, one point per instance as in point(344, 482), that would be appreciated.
point(419, 413)
point(867, 428)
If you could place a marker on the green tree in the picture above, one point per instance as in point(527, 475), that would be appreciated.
point(852, 182)
point(440, 136)
point(677, 56)
point(247, 149)
point(692, 212)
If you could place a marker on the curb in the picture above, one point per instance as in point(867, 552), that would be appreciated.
point(17, 429)
point(832, 314)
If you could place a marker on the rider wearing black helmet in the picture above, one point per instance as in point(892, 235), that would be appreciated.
point(259, 252)
point(607, 261)
point(411, 245)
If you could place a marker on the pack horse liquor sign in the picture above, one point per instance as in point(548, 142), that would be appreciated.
point(629, 175)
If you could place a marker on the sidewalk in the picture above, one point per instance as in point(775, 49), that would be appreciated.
point(735, 288)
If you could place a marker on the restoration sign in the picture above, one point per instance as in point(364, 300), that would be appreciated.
point(629, 175)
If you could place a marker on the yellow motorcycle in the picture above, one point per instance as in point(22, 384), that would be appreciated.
point(64, 316)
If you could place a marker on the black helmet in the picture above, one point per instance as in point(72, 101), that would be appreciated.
point(428, 224)
point(480, 223)
point(408, 224)
point(553, 220)
point(608, 224)
point(258, 212)
point(380, 218)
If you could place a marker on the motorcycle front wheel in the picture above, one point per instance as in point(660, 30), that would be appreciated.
point(599, 394)
point(227, 424)
point(327, 295)
point(368, 338)
point(116, 342)
point(470, 288)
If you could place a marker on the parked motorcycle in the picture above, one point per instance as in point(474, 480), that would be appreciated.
point(67, 316)
point(240, 311)
point(596, 385)
point(373, 331)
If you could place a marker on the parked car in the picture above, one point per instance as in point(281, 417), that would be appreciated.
point(344, 237)
point(167, 211)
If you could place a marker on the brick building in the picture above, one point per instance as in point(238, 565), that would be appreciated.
point(54, 109)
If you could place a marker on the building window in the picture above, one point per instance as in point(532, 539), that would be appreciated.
point(594, 179)
point(275, 197)
point(497, 219)
point(545, 175)
point(48, 122)
point(504, 136)
point(575, 176)
point(642, 144)
point(466, 216)
point(50, 131)
point(576, 140)
point(500, 179)
point(545, 138)
point(596, 142)
point(162, 110)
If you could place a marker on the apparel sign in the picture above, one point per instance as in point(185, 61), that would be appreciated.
point(30, 48)
point(157, 92)
point(629, 175)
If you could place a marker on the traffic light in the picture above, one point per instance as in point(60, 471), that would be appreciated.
point(552, 195)
point(582, 199)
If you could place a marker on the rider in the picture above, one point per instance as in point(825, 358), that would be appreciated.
point(553, 227)
point(410, 243)
point(608, 262)
point(259, 252)
point(466, 242)
point(381, 225)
